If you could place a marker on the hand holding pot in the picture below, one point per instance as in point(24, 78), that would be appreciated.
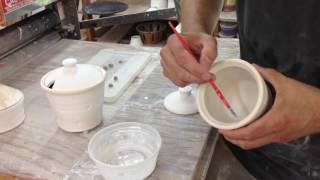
point(294, 114)
point(180, 66)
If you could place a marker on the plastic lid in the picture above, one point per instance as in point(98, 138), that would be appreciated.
point(73, 76)
point(9, 96)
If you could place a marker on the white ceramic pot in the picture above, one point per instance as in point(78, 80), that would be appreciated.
point(76, 93)
point(11, 108)
point(159, 4)
point(242, 86)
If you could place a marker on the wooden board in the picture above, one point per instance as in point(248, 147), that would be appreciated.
point(40, 148)
point(116, 33)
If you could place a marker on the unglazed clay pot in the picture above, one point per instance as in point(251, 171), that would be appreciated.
point(242, 86)
point(76, 93)
point(11, 108)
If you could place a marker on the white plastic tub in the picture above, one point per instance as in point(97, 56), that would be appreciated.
point(125, 151)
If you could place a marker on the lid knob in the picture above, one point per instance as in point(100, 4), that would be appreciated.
point(69, 62)
point(185, 91)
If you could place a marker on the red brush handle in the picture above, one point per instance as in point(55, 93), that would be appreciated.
point(183, 42)
point(219, 93)
point(212, 83)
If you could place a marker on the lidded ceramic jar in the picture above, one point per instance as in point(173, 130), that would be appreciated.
point(11, 108)
point(243, 87)
point(76, 93)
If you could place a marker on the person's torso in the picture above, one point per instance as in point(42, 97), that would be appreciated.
point(282, 34)
point(285, 35)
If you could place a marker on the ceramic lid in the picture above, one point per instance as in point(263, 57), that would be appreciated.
point(73, 76)
point(182, 102)
point(9, 96)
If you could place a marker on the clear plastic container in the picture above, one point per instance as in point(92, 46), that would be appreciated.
point(125, 151)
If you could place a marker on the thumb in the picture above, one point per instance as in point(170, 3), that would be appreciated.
point(208, 55)
point(270, 75)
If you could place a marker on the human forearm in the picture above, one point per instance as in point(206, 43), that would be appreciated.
point(200, 15)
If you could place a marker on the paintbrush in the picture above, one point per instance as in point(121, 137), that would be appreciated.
point(211, 81)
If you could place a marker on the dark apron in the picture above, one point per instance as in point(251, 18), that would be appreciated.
point(284, 35)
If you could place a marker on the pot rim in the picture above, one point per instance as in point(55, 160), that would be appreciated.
point(251, 116)
point(13, 105)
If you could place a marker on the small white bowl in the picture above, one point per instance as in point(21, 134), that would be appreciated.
point(242, 86)
point(11, 108)
point(125, 151)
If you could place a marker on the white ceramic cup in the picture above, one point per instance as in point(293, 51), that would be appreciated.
point(136, 41)
point(77, 112)
point(242, 86)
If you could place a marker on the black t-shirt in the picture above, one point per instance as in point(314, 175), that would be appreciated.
point(284, 35)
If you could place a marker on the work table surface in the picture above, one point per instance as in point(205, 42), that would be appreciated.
point(40, 148)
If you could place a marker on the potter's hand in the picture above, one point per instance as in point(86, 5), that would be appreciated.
point(294, 114)
point(180, 67)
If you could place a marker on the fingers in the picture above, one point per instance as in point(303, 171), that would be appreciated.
point(270, 75)
point(277, 137)
point(251, 132)
point(206, 47)
point(261, 132)
point(181, 67)
point(246, 144)
point(174, 72)
point(184, 59)
point(208, 53)
point(268, 124)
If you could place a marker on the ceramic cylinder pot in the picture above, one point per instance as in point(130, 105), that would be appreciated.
point(11, 108)
point(76, 93)
point(242, 86)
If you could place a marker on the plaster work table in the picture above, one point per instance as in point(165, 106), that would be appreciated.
point(38, 147)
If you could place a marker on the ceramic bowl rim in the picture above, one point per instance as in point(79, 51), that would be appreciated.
point(20, 121)
point(13, 105)
point(154, 154)
point(249, 118)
